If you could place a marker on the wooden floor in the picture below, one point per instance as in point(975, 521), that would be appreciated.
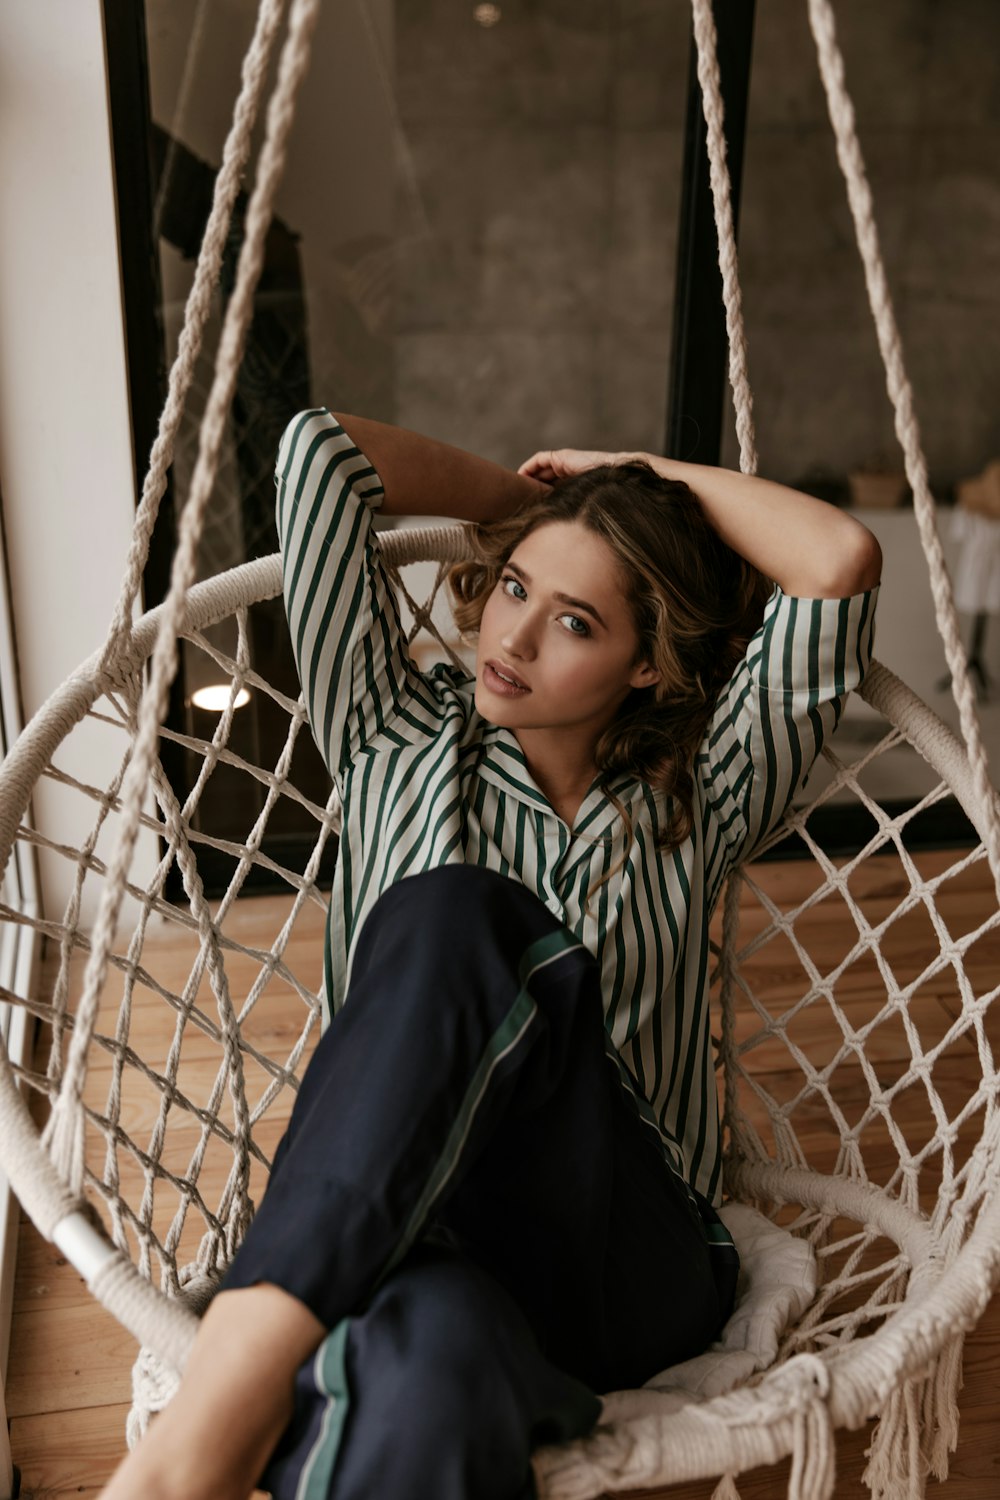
point(68, 1390)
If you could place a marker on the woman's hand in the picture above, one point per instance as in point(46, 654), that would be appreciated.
point(559, 463)
point(811, 548)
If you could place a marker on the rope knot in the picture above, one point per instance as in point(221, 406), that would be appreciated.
point(154, 1379)
point(806, 1380)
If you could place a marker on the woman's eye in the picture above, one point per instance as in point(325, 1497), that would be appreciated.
point(577, 627)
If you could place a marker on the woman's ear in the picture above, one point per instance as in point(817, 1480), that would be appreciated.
point(643, 675)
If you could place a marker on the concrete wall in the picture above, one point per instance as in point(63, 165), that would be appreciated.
point(925, 79)
point(537, 256)
point(536, 273)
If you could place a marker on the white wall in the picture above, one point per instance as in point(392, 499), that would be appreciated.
point(66, 472)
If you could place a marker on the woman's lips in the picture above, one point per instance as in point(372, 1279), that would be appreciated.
point(497, 684)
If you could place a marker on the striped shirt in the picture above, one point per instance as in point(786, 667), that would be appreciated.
point(425, 780)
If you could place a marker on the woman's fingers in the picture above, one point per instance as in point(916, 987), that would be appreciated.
point(538, 466)
point(558, 463)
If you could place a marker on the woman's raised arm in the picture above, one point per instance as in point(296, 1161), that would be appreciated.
point(809, 547)
point(422, 477)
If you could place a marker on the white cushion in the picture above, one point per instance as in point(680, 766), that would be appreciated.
point(777, 1282)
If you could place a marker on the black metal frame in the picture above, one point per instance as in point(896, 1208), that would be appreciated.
point(128, 95)
point(700, 349)
point(698, 363)
point(128, 105)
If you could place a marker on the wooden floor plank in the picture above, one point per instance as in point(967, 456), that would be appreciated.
point(73, 1456)
point(44, 1276)
point(80, 1358)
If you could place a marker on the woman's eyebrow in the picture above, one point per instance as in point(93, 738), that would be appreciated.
point(563, 598)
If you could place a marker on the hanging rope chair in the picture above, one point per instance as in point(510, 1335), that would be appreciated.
point(907, 1264)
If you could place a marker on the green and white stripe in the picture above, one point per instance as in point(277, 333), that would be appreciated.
point(425, 781)
point(330, 1377)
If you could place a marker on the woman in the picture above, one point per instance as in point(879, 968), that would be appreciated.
point(496, 1196)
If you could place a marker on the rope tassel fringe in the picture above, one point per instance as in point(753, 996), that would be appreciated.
point(916, 1432)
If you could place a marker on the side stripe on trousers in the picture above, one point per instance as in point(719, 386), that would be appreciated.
point(330, 1374)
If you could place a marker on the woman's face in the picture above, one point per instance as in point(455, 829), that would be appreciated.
point(559, 623)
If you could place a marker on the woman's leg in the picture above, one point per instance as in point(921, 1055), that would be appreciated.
point(234, 1402)
point(472, 1014)
point(576, 1211)
point(473, 1017)
point(437, 1388)
point(595, 1256)
point(402, 1093)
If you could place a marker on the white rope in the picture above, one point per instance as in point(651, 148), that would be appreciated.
point(65, 1129)
point(859, 194)
point(706, 42)
point(800, 1389)
point(235, 155)
point(726, 1488)
point(154, 1379)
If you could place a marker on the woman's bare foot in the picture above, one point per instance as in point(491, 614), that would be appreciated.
point(233, 1404)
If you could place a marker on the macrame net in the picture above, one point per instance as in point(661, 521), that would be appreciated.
point(846, 1087)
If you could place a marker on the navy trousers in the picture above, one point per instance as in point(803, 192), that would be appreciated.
point(470, 1200)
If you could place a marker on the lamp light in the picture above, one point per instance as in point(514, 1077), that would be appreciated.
point(214, 697)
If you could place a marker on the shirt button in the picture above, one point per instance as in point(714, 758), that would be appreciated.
point(556, 907)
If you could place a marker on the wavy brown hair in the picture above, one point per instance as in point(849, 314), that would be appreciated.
point(694, 601)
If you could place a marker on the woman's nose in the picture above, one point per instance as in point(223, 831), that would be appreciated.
point(518, 639)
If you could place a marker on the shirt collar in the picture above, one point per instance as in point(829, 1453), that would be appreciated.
point(502, 764)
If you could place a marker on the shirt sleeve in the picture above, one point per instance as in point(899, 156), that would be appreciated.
point(782, 702)
point(357, 677)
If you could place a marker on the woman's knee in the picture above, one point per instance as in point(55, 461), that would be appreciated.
point(453, 922)
point(452, 896)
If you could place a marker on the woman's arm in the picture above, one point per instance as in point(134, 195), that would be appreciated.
point(810, 548)
point(422, 477)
